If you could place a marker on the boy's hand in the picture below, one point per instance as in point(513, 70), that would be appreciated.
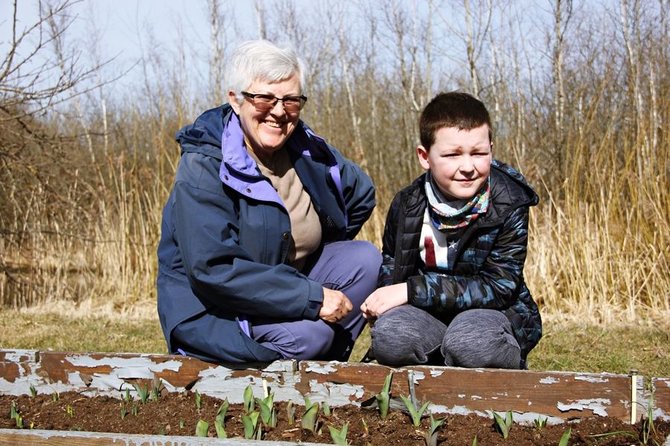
point(383, 299)
point(336, 305)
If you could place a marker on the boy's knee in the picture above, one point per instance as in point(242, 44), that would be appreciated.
point(400, 338)
point(481, 338)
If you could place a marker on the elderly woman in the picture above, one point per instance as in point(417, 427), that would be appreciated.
point(256, 257)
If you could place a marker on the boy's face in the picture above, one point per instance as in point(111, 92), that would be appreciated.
point(459, 160)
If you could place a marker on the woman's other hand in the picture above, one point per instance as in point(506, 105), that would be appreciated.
point(336, 305)
point(383, 299)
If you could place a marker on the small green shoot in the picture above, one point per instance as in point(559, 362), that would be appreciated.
point(181, 424)
point(13, 411)
point(249, 400)
point(309, 418)
point(431, 434)
point(290, 413)
point(128, 397)
point(221, 413)
point(503, 424)
point(69, 410)
point(339, 436)
point(220, 429)
point(55, 396)
point(565, 437)
point(325, 408)
point(134, 410)
point(268, 412)
point(156, 389)
point(540, 422)
point(474, 441)
point(201, 428)
point(251, 426)
point(415, 413)
point(142, 392)
point(198, 400)
point(384, 397)
point(124, 411)
point(33, 391)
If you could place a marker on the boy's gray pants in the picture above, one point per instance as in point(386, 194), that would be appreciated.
point(477, 338)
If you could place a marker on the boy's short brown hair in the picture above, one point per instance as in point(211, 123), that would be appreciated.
point(453, 109)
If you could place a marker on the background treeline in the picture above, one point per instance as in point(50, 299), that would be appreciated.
point(579, 93)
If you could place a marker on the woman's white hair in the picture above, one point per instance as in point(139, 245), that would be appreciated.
point(261, 60)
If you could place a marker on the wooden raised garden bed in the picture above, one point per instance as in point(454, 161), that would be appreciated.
point(557, 396)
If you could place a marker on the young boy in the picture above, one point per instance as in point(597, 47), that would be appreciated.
point(452, 290)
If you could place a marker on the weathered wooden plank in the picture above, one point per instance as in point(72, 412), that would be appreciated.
point(344, 383)
point(10, 437)
point(661, 396)
point(557, 395)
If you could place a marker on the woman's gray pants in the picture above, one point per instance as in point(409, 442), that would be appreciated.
point(477, 338)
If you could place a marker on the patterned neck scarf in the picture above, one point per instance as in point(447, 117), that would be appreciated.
point(446, 217)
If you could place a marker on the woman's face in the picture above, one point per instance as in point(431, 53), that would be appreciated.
point(266, 132)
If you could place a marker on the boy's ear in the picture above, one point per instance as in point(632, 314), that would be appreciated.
point(422, 154)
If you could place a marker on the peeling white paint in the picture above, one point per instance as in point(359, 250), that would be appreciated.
point(435, 373)
point(417, 376)
point(335, 394)
point(323, 369)
point(597, 405)
point(592, 378)
point(550, 380)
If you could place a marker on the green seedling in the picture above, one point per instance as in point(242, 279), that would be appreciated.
point(540, 422)
point(384, 397)
point(142, 392)
point(128, 397)
point(504, 424)
point(19, 421)
point(249, 399)
point(309, 419)
point(134, 410)
point(55, 396)
point(124, 412)
point(415, 413)
point(198, 400)
point(181, 424)
point(251, 427)
point(156, 389)
point(220, 429)
point(325, 408)
point(339, 436)
point(431, 434)
point(565, 437)
point(33, 391)
point(290, 413)
point(268, 412)
point(13, 411)
point(474, 441)
point(69, 410)
point(201, 428)
point(221, 413)
point(648, 428)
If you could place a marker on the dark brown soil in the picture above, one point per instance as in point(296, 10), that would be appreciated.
point(176, 414)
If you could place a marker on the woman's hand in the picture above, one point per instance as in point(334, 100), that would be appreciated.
point(383, 299)
point(336, 305)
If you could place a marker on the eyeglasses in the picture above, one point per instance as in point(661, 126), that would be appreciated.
point(266, 102)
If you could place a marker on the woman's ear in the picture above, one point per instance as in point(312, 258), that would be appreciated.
point(422, 154)
point(232, 100)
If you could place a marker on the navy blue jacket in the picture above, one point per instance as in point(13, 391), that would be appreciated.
point(225, 234)
point(488, 270)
